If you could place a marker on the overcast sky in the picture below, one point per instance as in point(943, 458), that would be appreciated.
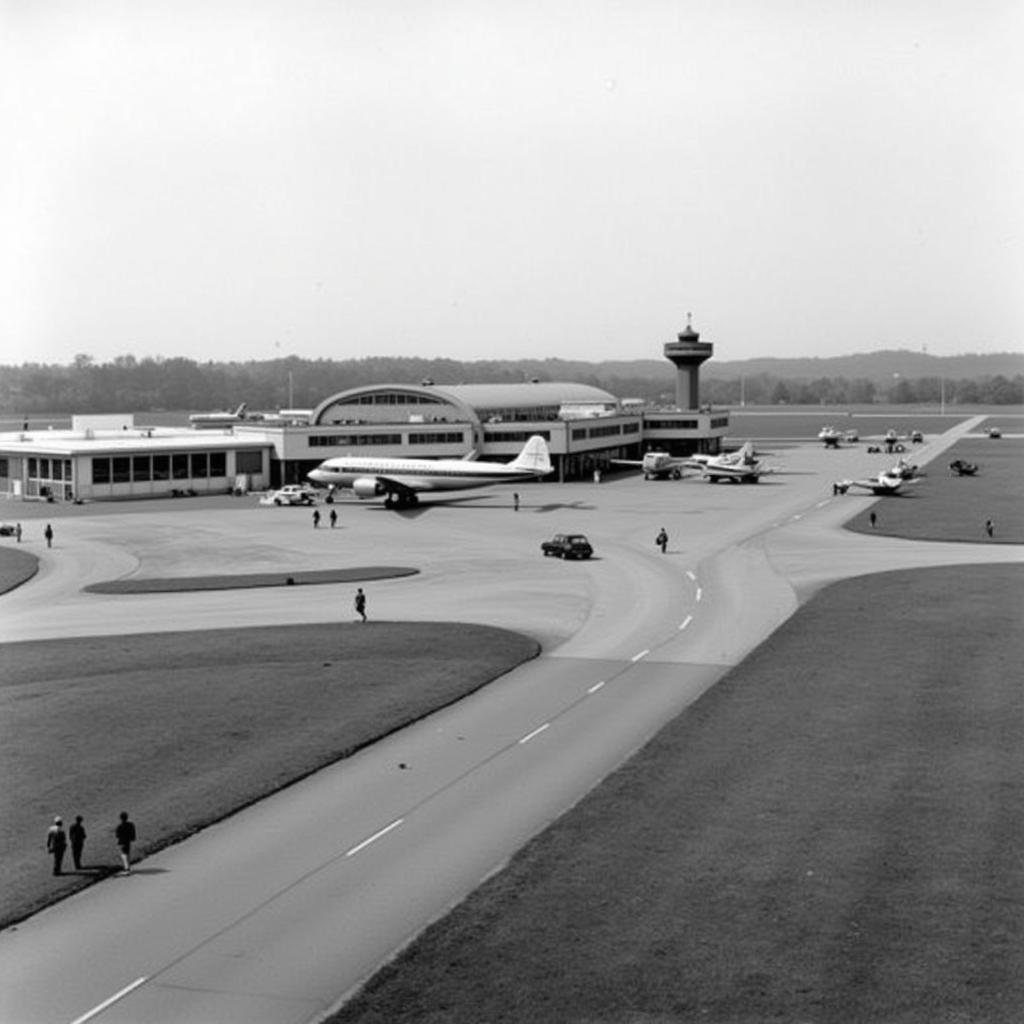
point(483, 180)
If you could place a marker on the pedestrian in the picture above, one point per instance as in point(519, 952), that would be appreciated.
point(662, 540)
point(17, 531)
point(334, 518)
point(77, 836)
point(361, 603)
point(990, 527)
point(515, 500)
point(316, 518)
point(56, 844)
point(125, 836)
point(872, 519)
point(48, 534)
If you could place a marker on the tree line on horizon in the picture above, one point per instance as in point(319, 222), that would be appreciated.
point(173, 384)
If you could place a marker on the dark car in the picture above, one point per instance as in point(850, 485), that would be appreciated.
point(567, 545)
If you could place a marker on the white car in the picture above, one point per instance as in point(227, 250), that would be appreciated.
point(294, 494)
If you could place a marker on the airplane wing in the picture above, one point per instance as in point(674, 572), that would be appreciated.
point(406, 487)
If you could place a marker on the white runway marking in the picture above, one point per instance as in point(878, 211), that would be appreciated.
point(822, 504)
point(97, 1010)
point(596, 687)
point(376, 835)
point(700, 593)
point(686, 622)
point(642, 654)
point(536, 732)
point(693, 578)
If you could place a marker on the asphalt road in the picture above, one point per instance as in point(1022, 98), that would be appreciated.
point(276, 913)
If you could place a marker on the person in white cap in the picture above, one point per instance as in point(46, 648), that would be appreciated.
point(56, 844)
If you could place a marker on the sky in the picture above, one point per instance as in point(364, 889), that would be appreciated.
point(228, 180)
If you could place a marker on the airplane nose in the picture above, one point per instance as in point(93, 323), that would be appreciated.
point(317, 476)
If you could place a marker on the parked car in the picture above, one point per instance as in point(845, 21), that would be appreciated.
point(6, 530)
point(567, 545)
point(916, 437)
point(294, 494)
point(994, 432)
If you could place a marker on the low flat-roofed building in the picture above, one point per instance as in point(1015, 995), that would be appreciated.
point(106, 457)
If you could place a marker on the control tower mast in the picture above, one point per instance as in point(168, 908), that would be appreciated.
point(688, 352)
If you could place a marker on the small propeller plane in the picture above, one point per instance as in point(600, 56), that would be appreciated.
point(889, 481)
point(400, 481)
point(742, 466)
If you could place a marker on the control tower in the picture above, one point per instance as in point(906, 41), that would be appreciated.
point(688, 352)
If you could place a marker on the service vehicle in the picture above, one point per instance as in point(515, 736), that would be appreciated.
point(294, 494)
point(567, 545)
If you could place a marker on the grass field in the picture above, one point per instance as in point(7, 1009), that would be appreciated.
point(944, 507)
point(185, 728)
point(831, 833)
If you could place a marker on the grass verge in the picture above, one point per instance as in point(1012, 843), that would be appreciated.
point(184, 728)
point(832, 832)
point(944, 507)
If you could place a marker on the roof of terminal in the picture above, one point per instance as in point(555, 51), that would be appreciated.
point(489, 396)
point(78, 442)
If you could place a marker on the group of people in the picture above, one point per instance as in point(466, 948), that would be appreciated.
point(57, 841)
point(47, 533)
point(332, 516)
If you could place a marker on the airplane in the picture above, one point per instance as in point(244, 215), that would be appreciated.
point(741, 466)
point(830, 436)
point(400, 481)
point(833, 437)
point(217, 419)
point(889, 481)
point(658, 465)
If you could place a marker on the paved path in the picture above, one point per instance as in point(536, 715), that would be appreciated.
point(274, 914)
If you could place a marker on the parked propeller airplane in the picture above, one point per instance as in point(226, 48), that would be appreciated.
point(889, 481)
point(742, 466)
point(400, 481)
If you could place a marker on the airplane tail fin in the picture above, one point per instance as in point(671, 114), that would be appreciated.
point(240, 411)
point(534, 457)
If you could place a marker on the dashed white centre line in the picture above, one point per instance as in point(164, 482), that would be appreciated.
point(822, 504)
point(686, 622)
point(376, 835)
point(700, 593)
point(691, 575)
point(642, 654)
point(97, 1010)
point(596, 687)
point(536, 732)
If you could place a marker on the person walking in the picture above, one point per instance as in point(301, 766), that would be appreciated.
point(360, 603)
point(17, 532)
point(872, 519)
point(76, 833)
point(125, 836)
point(662, 540)
point(56, 844)
point(48, 534)
point(334, 518)
point(515, 501)
point(316, 518)
point(990, 527)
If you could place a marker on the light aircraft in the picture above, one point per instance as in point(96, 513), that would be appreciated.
point(658, 465)
point(889, 481)
point(741, 466)
point(217, 419)
point(830, 436)
point(400, 481)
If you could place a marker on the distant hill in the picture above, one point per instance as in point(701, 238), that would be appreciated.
point(879, 367)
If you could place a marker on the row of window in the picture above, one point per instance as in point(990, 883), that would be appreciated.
point(47, 469)
point(451, 437)
point(127, 469)
point(517, 435)
point(360, 440)
point(393, 398)
point(612, 430)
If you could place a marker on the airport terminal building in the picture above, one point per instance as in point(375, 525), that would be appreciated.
point(586, 428)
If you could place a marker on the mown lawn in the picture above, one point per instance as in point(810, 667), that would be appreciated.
point(831, 833)
point(185, 728)
point(944, 507)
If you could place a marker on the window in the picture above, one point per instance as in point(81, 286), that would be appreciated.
point(141, 470)
point(200, 465)
point(179, 466)
point(249, 462)
point(218, 464)
point(161, 467)
point(436, 438)
point(101, 471)
point(122, 469)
